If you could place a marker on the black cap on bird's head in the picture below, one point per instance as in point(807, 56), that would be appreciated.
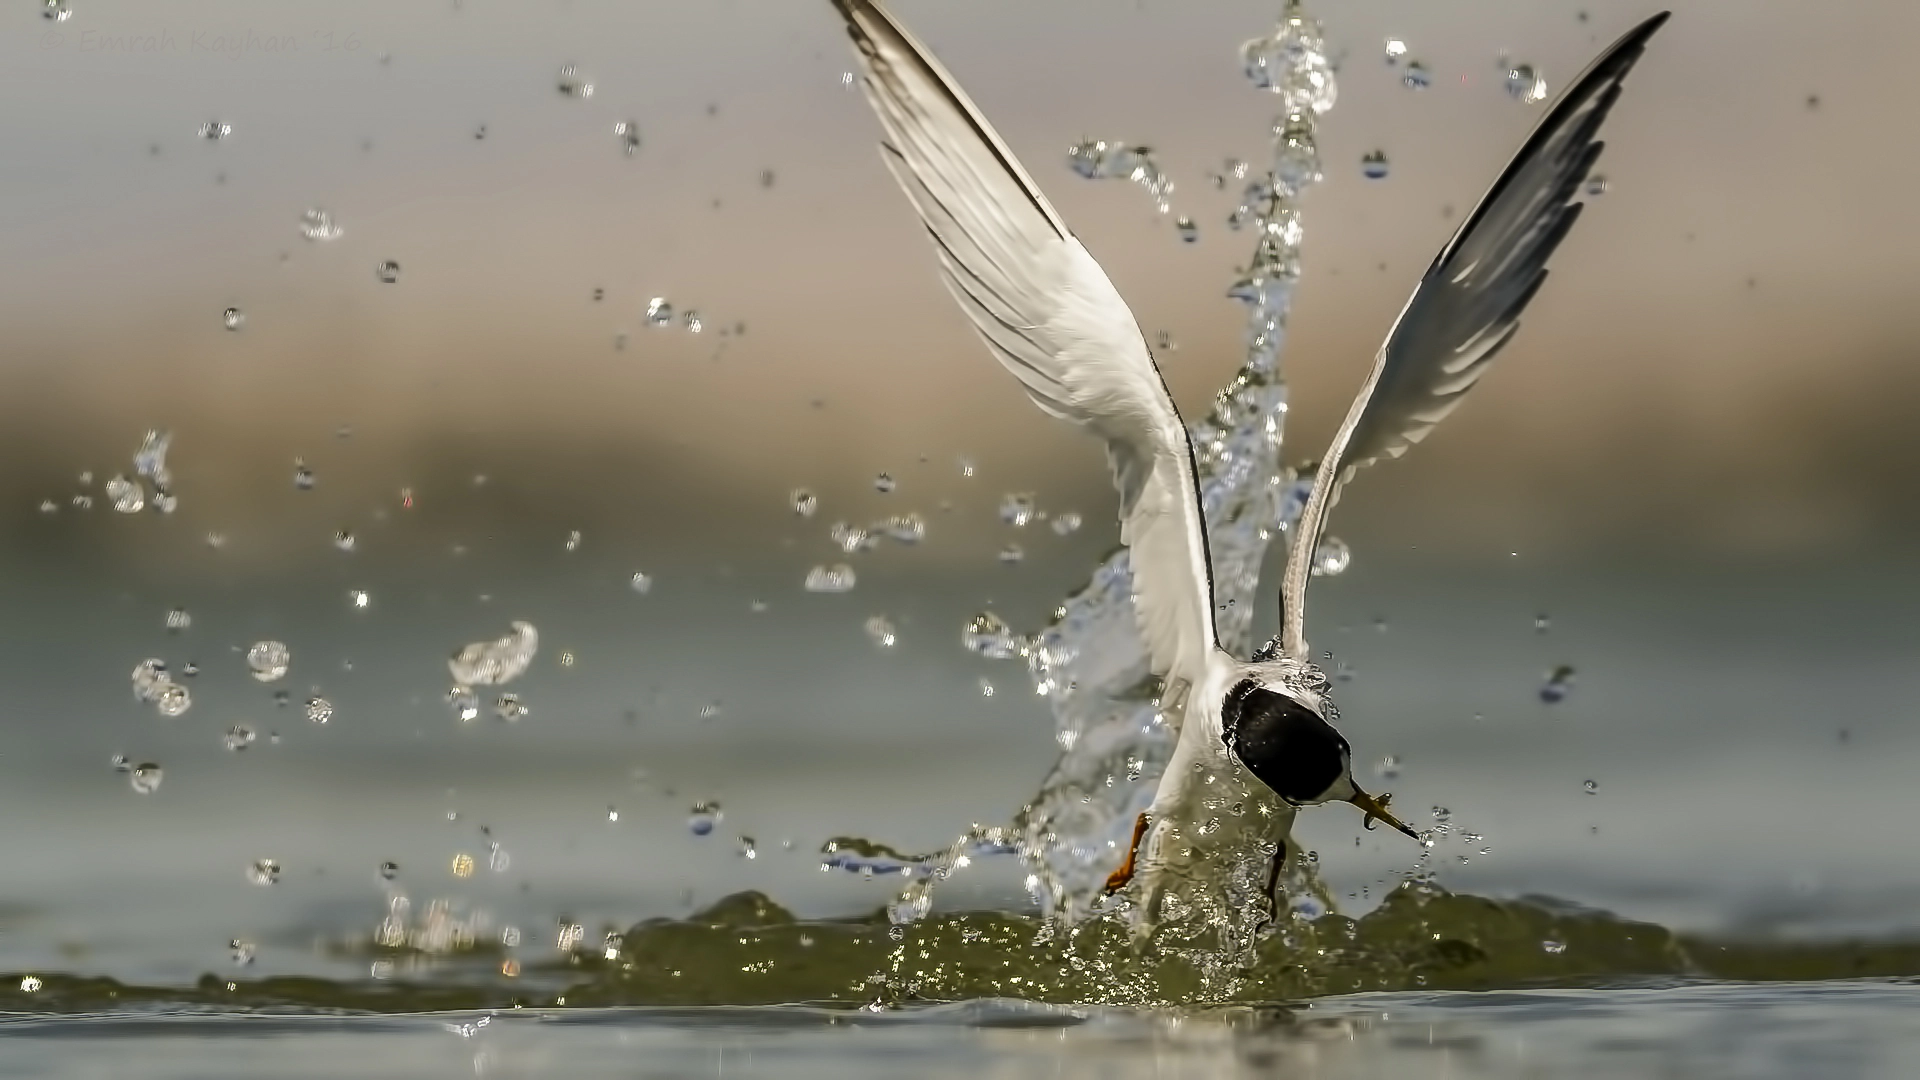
point(1289, 746)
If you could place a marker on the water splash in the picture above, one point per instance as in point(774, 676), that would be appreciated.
point(1103, 160)
point(1088, 663)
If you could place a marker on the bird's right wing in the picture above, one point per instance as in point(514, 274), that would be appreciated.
point(1468, 305)
point(1050, 315)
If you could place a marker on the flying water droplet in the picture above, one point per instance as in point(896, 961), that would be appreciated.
point(572, 84)
point(464, 703)
point(1189, 232)
point(1331, 557)
point(1542, 623)
point(1292, 62)
point(884, 484)
point(172, 699)
point(242, 951)
point(747, 849)
point(704, 816)
point(1012, 553)
point(1017, 509)
point(128, 497)
point(509, 708)
point(691, 320)
point(238, 738)
point(145, 777)
point(264, 872)
point(1596, 185)
point(805, 503)
point(1553, 947)
point(573, 540)
point(880, 631)
point(121, 763)
point(495, 663)
point(317, 225)
point(628, 132)
point(358, 599)
point(269, 660)
point(1373, 164)
point(659, 312)
point(1389, 768)
point(57, 11)
point(1592, 787)
point(149, 677)
point(215, 130)
point(302, 476)
point(233, 318)
point(344, 540)
point(1417, 76)
point(179, 619)
point(1066, 524)
point(319, 710)
point(1102, 160)
point(850, 538)
point(1558, 685)
point(1396, 48)
point(1526, 85)
point(640, 582)
point(989, 635)
point(837, 578)
point(388, 271)
point(905, 528)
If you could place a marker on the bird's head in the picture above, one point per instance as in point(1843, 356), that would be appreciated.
point(1280, 732)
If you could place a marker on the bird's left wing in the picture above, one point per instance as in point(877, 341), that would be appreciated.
point(1468, 305)
point(1050, 315)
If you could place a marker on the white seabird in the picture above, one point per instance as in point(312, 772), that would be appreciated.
point(1049, 314)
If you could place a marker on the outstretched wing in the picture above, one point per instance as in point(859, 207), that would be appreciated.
point(1467, 306)
point(1051, 317)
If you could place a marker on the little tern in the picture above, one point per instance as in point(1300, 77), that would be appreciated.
point(1049, 314)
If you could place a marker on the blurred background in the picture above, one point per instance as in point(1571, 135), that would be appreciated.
point(1693, 462)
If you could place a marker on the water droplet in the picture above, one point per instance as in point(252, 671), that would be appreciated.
point(1396, 49)
point(837, 578)
point(1017, 509)
point(269, 660)
point(1592, 787)
point(640, 582)
point(805, 503)
point(302, 476)
point(464, 703)
point(1102, 160)
point(128, 497)
point(613, 812)
point(233, 318)
point(572, 84)
point(242, 951)
point(344, 540)
point(145, 777)
point(238, 738)
point(30, 984)
point(905, 528)
point(172, 699)
point(573, 540)
point(710, 711)
point(989, 635)
point(462, 865)
point(1596, 185)
point(1188, 231)
point(747, 849)
point(704, 817)
point(1525, 84)
point(1331, 557)
point(1558, 685)
point(178, 619)
point(149, 676)
point(1292, 62)
point(1012, 554)
point(264, 872)
point(986, 688)
point(495, 663)
point(1373, 164)
point(358, 599)
point(1417, 76)
point(318, 225)
point(1553, 947)
point(884, 484)
point(659, 312)
point(480, 132)
point(881, 631)
point(628, 132)
point(1542, 623)
point(214, 130)
point(388, 272)
point(967, 467)
point(121, 763)
point(1067, 523)
point(1389, 767)
point(691, 320)
point(509, 708)
point(850, 538)
point(58, 11)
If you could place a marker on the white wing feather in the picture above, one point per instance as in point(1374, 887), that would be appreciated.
point(1466, 307)
point(1050, 315)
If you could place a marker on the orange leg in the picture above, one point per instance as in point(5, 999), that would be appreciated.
point(1119, 878)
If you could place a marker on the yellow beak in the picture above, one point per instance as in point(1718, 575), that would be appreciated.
point(1377, 808)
